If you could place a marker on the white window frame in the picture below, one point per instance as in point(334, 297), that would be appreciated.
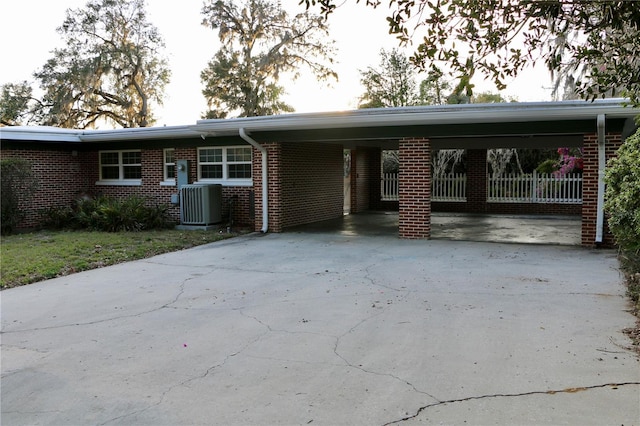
point(121, 166)
point(226, 180)
point(166, 180)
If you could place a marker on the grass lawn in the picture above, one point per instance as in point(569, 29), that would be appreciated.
point(37, 256)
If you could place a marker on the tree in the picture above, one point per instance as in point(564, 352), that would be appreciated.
point(392, 84)
point(259, 43)
point(435, 90)
point(595, 42)
point(17, 104)
point(110, 69)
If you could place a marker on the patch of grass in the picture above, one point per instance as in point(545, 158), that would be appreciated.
point(37, 256)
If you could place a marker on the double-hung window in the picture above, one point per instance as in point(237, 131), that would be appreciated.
point(120, 167)
point(169, 165)
point(226, 165)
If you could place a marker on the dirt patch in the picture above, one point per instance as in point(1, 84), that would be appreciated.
point(634, 335)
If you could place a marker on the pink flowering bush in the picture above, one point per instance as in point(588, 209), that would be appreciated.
point(570, 162)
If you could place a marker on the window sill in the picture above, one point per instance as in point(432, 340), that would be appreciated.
point(236, 182)
point(132, 182)
point(168, 183)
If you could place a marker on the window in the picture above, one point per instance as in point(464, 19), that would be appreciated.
point(225, 164)
point(120, 166)
point(169, 164)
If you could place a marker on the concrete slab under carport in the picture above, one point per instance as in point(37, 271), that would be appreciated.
point(529, 229)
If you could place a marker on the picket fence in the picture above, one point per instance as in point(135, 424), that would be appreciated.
point(515, 188)
point(535, 188)
point(451, 187)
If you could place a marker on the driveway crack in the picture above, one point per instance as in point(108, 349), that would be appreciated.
point(512, 395)
point(194, 378)
point(364, 370)
point(181, 289)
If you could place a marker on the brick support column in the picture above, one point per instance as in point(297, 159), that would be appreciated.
point(477, 180)
point(590, 187)
point(415, 188)
point(364, 176)
point(274, 157)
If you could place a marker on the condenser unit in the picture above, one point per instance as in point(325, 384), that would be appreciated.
point(200, 204)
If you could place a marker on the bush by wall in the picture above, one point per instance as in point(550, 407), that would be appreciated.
point(623, 194)
point(109, 214)
point(623, 207)
point(17, 186)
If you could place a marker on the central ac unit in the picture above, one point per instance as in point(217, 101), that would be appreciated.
point(200, 204)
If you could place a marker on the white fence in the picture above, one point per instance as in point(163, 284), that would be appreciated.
point(389, 187)
point(447, 188)
point(521, 188)
point(452, 187)
point(535, 188)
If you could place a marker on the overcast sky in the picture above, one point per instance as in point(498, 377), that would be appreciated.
point(27, 31)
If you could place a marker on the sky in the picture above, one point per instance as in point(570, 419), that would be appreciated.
point(28, 35)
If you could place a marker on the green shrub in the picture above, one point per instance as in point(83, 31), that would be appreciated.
point(18, 184)
point(623, 206)
point(60, 217)
point(623, 194)
point(548, 166)
point(110, 214)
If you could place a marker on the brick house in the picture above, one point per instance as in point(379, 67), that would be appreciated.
point(293, 164)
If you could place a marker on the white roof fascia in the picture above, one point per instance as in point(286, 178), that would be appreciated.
point(376, 117)
point(444, 114)
point(54, 134)
point(42, 133)
point(137, 133)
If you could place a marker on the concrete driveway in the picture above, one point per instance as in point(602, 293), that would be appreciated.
point(326, 329)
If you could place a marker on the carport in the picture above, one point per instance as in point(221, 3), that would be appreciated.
point(294, 172)
point(304, 155)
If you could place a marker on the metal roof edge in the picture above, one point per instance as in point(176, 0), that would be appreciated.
point(440, 114)
point(138, 133)
point(375, 117)
point(39, 133)
point(55, 134)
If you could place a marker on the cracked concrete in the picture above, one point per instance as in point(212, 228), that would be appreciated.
point(326, 328)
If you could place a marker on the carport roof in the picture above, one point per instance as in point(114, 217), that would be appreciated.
point(535, 118)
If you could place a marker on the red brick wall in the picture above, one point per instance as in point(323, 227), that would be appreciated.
point(62, 177)
point(477, 180)
point(414, 218)
point(305, 184)
point(312, 184)
point(274, 159)
point(510, 208)
point(152, 175)
point(362, 178)
point(590, 187)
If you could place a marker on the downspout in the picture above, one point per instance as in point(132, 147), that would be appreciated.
point(265, 183)
point(601, 166)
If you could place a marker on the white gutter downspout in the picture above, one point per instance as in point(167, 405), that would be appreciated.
point(601, 167)
point(265, 183)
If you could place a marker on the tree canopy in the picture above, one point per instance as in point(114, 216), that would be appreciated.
point(391, 84)
point(16, 101)
point(110, 69)
point(260, 42)
point(595, 43)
